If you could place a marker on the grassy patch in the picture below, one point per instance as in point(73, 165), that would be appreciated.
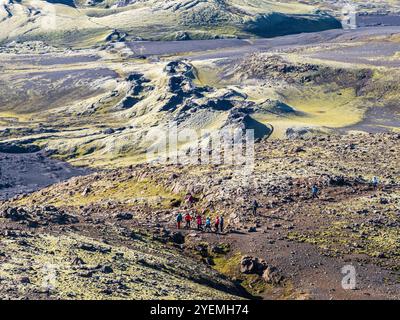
point(230, 267)
point(130, 192)
point(142, 271)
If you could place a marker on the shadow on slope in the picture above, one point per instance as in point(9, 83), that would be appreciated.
point(70, 3)
point(279, 24)
point(260, 130)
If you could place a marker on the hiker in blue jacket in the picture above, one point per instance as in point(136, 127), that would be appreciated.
point(314, 192)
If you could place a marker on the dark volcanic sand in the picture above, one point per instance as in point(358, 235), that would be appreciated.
point(28, 172)
point(49, 59)
point(233, 48)
point(365, 54)
point(378, 119)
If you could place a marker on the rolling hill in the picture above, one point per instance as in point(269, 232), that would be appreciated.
point(82, 23)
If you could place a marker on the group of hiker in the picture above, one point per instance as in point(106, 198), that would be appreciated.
point(206, 226)
point(219, 220)
point(203, 223)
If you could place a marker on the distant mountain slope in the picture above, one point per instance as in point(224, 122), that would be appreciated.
point(66, 2)
point(83, 23)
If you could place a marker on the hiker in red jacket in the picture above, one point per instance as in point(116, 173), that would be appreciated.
point(216, 225)
point(199, 222)
point(188, 218)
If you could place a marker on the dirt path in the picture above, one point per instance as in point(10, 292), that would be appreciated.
point(309, 271)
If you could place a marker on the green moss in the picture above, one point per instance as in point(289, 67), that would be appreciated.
point(141, 271)
point(130, 192)
point(230, 267)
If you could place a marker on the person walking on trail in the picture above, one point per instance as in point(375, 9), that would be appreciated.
point(208, 224)
point(375, 182)
point(216, 225)
point(188, 218)
point(179, 219)
point(221, 223)
point(254, 207)
point(189, 199)
point(199, 222)
point(314, 192)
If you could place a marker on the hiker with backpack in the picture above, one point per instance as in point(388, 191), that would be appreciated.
point(254, 207)
point(221, 223)
point(375, 183)
point(314, 192)
point(179, 219)
point(188, 219)
point(189, 199)
point(216, 225)
point(208, 224)
point(199, 222)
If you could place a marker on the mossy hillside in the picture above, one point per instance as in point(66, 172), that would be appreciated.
point(204, 19)
point(367, 227)
point(80, 39)
point(385, 86)
point(144, 270)
point(334, 100)
point(131, 192)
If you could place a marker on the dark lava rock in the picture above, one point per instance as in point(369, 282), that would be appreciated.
point(106, 269)
point(338, 181)
point(181, 36)
point(14, 148)
point(272, 275)
point(25, 280)
point(384, 201)
point(107, 291)
point(208, 261)
point(78, 262)
point(296, 133)
point(178, 238)
point(116, 36)
point(251, 265)
point(109, 131)
point(220, 248)
point(15, 214)
point(124, 216)
point(202, 248)
point(93, 248)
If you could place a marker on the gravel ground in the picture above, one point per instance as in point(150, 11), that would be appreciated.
point(230, 48)
point(24, 173)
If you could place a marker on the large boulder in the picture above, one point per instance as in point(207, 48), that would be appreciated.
point(299, 132)
point(252, 265)
point(39, 216)
point(124, 216)
point(272, 275)
point(178, 238)
point(338, 181)
point(15, 214)
point(181, 36)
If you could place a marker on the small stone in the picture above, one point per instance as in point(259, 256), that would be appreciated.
point(25, 280)
point(107, 269)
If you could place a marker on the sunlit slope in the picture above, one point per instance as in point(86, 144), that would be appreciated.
point(76, 23)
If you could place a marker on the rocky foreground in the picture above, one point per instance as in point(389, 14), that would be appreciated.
point(112, 234)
